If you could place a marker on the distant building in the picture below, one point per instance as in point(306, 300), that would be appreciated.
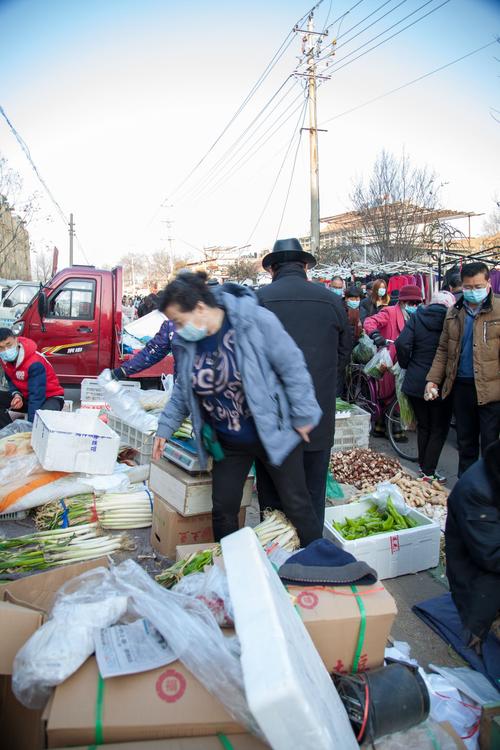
point(14, 245)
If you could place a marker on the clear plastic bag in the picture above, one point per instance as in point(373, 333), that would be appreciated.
point(152, 400)
point(425, 736)
point(212, 589)
point(18, 467)
point(406, 414)
point(383, 492)
point(364, 350)
point(379, 364)
point(14, 428)
point(66, 640)
point(126, 405)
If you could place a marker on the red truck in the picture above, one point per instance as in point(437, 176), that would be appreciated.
point(76, 321)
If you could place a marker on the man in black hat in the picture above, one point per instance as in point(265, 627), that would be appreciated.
point(317, 321)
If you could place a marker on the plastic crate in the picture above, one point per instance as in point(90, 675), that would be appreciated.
point(18, 515)
point(92, 391)
point(352, 431)
point(141, 441)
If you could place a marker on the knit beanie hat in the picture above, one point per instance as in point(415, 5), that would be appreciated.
point(323, 563)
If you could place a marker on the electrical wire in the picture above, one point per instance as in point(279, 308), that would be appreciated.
point(373, 23)
point(410, 83)
point(292, 173)
point(266, 204)
point(24, 147)
point(343, 15)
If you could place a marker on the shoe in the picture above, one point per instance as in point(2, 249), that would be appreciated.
point(433, 478)
point(439, 478)
point(400, 438)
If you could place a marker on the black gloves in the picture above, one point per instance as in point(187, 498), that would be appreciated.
point(378, 339)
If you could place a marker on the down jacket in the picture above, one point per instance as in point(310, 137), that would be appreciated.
point(277, 384)
point(486, 350)
point(416, 346)
point(154, 351)
point(472, 538)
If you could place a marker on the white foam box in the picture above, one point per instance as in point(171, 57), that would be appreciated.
point(72, 442)
point(287, 686)
point(393, 553)
point(189, 494)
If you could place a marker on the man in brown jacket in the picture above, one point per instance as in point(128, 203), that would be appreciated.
point(467, 364)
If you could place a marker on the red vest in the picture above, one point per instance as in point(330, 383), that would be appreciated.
point(17, 371)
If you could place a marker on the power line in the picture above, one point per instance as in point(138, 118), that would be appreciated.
point(27, 153)
point(292, 174)
point(278, 175)
point(410, 83)
point(343, 15)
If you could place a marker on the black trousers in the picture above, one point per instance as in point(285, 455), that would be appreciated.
point(229, 477)
point(433, 423)
point(51, 404)
point(474, 423)
point(315, 467)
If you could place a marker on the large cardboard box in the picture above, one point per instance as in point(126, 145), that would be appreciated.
point(393, 553)
point(237, 742)
point(159, 704)
point(70, 442)
point(189, 494)
point(169, 529)
point(332, 618)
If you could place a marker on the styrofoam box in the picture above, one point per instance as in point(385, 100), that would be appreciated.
point(287, 686)
point(72, 442)
point(189, 494)
point(393, 553)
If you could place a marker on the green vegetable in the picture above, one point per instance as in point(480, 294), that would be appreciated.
point(341, 405)
point(374, 521)
point(195, 563)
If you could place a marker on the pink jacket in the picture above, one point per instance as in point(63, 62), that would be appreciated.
point(389, 322)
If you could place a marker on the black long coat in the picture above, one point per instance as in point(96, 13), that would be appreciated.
point(472, 539)
point(316, 320)
point(416, 346)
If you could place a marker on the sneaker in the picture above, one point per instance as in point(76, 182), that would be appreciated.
point(433, 478)
point(439, 478)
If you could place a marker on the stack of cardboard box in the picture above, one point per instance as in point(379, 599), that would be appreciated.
point(182, 512)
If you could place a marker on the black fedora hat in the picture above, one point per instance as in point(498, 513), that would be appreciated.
point(287, 251)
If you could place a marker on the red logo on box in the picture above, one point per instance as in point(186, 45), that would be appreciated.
point(307, 599)
point(171, 686)
point(394, 544)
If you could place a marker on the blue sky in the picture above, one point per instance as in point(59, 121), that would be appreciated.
point(118, 100)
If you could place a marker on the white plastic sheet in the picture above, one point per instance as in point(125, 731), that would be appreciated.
point(125, 405)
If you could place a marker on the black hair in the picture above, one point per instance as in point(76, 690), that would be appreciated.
point(5, 333)
point(354, 291)
point(455, 280)
point(472, 269)
point(295, 264)
point(186, 291)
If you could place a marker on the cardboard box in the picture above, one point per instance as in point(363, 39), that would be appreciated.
point(238, 742)
point(70, 442)
point(332, 618)
point(184, 550)
point(20, 727)
point(162, 703)
point(189, 494)
point(169, 529)
point(393, 553)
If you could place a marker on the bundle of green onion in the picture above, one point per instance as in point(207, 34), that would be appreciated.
point(185, 431)
point(277, 529)
point(125, 510)
point(195, 563)
point(44, 549)
point(374, 521)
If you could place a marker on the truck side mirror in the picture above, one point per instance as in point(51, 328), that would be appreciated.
point(42, 304)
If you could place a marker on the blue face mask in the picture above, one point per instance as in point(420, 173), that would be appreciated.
point(353, 304)
point(340, 291)
point(382, 291)
point(411, 309)
point(190, 332)
point(476, 296)
point(9, 355)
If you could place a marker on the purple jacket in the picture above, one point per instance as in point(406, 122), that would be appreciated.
point(154, 351)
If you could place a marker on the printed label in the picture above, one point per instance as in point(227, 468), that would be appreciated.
point(307, 599)
point(394, 544)
point(171, 686)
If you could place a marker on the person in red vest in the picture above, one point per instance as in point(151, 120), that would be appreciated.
point(32, 382)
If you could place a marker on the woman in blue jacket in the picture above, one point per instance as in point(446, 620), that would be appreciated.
point(246, 385)
point(416, 346)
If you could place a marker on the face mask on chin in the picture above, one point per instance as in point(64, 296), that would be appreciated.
point(190, 332)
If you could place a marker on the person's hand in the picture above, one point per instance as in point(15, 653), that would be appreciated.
point(158, 447)
point(304, 432)
point(378, 339)
point(17, 402)
point(431, 391)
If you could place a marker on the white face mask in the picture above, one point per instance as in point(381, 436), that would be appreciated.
point(382, 291)
point(190, 332)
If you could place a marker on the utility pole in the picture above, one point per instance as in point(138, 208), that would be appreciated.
point(313, 138)
point(71, 235)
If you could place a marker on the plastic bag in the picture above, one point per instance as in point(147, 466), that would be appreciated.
point(364, 350)
point(57, 649)
point(425, 736)
point(379, 364)
point(447, 704)
point(406, 414)
point(18, 468)
point(124, 404)
point(16, 427)
point(152, 400)
point(333, 488)
point(211, 588)
point(383, 492)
